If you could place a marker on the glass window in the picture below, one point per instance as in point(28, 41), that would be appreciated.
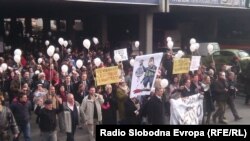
point(63, 25)
point(78, 26)
point(217, 53)
point(227, 53)
point(243, 54)
point(37, 24)
point(53, 25)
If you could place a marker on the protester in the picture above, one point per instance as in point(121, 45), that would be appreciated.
point(72, 116)
point(7, 122)
point(91, 111)
point(48, 119)
point(155, 109)
point(22, 112)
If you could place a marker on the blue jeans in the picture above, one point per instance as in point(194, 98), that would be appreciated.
point(25, 129)
point(49, 136)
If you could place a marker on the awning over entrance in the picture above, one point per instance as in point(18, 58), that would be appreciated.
point(136, 2)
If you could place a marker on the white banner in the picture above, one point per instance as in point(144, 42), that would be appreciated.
point(123, 53)
point(144, 74)
point(187, 110)
point(195, 63)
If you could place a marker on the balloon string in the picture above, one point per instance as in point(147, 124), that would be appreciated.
point(19, 75)
point(92, 69)
point(50, 71)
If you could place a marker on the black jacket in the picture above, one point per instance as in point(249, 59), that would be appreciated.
point(155, 111)
point(21, 112)
point(48, 118)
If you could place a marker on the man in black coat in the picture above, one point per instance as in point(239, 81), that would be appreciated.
point(221, 95)
point(48, 119)
point(155, 109)
point(232, 90)
point(22, 112)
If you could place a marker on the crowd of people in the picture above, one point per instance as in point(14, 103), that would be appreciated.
point(72, 100)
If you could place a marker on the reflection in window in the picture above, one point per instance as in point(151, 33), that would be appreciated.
point(63, 26)
point(227, 53)
point(37, 24)
point(7, 25)
point(78, 26)
point(53, 25)
point(243, 54)
point(216, 53)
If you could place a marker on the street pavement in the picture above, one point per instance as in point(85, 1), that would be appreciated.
point(82, 135)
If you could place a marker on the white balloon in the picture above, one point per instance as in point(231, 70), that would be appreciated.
point(17, 59)
point(7, 32)
point(169, 39)
point(40, 54)
point(61, 41)
point(137, 44)
point(97, 62)
point(210, 48)
point(40, 60)
point(9, 47)
point(68, 50)
point(28, 35)
point(192, 41)
point(197, 46)
point(70, 42)
point(51, 50)
point(132, 62)
point(18, 52)
point(164, 83)
point(49, 33)
point(177, 56)
point(170, 44)
point(180, 52)
point(86, 43)
point(47, 42)
point(4, 66)
point(65, 43)
point(57, 49)
point(192, 47)
point(56, 57)
point(79, 63)
point(31, 39)
point(95, 40)
point(6, 47)
point(37, 72)
point(64, 68)
point(117, 58)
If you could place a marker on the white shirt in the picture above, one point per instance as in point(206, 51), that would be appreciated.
point(71, 107)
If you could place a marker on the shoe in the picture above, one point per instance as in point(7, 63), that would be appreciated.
point(238, 118)
point(222, 122)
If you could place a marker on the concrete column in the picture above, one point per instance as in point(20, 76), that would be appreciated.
point(142, 31)
point(2, 27)
point(28, 26)
point(149, 33)
point(146, 32)
point(214, 29)
point(46, 25)
point(104, 34)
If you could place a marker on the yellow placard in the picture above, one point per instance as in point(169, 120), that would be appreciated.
point(181, 65)
point(107, 75)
